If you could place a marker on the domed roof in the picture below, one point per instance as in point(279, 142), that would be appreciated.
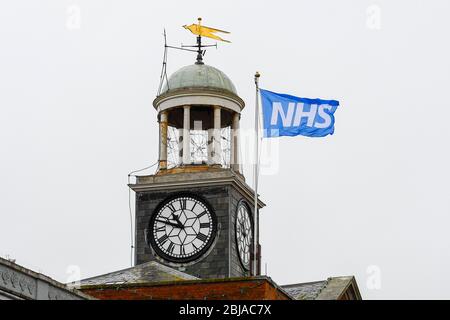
point(199, 76)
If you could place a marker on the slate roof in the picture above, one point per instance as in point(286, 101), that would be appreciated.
point(143, 273)
point(153, 273)
point(305, 291)
point(330, 289)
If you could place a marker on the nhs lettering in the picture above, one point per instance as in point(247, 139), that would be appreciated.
point(286, 115)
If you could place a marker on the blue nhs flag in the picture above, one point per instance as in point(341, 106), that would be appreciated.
point(286, 115)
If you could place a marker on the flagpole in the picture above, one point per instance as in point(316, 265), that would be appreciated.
point(255, 176)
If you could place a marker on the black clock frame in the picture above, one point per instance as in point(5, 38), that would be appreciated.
point(242, 201)
point(151, 239)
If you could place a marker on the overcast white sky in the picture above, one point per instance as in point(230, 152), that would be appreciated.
point(372, 200)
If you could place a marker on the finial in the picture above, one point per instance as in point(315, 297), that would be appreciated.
point(257, 75)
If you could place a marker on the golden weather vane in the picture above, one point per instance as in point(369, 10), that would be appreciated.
point(200, 31)
point(204, 31)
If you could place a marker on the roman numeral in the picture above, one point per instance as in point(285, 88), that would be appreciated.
point(163, 228)
point(183, 204)
point(204, 225)
point(171, 247)
point(182, 250)
point(163, 239)
point(202, 214)
point(202, 237)
point(195, 203)
point(171, 207)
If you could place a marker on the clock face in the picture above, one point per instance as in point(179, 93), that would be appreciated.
point(244, 234)
point(182, 228)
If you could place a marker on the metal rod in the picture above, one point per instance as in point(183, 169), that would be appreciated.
point(196, 46)
point(172, 47)
point(255, 176)
point(199, 51)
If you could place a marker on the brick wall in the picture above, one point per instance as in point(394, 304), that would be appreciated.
point(257, 289)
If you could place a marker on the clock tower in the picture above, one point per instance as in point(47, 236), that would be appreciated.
point(196, 213)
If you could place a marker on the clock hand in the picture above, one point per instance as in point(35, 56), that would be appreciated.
point(175, 217)
point(169, 223)
point(242, 229)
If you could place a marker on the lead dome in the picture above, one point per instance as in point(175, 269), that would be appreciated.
point(199, 76)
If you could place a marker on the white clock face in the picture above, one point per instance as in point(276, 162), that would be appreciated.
point(244, 234)
point(182, 229)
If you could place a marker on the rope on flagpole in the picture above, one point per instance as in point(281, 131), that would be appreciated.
point(255, 176)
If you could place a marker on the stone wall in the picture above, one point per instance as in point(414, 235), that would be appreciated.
point(222, 259)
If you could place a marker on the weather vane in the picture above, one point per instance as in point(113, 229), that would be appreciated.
point(203, 31)
point(200, 31)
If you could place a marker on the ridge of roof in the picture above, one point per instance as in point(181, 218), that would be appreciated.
point(337, 287)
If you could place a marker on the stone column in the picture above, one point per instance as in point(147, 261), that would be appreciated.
point(235, 143)
point(163, 140)
point(217, 150)
point(186, 135)
point(180, 147)
point(210, 148)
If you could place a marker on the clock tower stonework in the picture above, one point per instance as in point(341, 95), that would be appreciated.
point(196, 213)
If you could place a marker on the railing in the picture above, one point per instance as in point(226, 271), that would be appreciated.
point(200, 145)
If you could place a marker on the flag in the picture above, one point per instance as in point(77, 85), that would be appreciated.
point(286, 115)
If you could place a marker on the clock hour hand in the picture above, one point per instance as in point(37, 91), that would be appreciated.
point(169, 223)
point(176, 218)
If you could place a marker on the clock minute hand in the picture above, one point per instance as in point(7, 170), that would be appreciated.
point(169, 223)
